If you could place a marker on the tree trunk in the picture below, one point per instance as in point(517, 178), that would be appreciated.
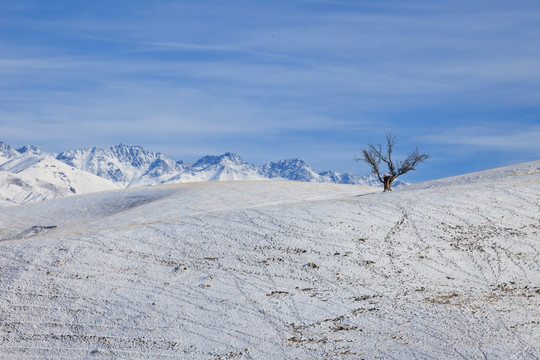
point(387, 181)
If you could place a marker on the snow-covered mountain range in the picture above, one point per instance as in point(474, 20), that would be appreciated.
point(131, 166)
point(30, 174)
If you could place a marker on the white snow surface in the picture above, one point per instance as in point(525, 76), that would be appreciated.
point(448, 269)
point(29, 177)
point(7, 152)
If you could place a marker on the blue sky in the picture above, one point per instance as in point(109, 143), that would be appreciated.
point(271, 80)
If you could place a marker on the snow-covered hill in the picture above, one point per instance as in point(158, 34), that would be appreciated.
point(29, 174)
point(277, 270)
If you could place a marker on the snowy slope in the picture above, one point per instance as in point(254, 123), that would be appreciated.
point(32, 175)
point(277, 270)
point(19, 189)
point(7, 152)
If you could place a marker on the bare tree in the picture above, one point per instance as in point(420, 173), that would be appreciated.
point(373, 155)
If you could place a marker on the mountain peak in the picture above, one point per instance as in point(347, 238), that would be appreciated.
point(292, 169)
point(291, 163)
point(127, 147)
point(128, 150)
point(7, 151)
point(224, 159)
point(31, 149)
point(124, 164)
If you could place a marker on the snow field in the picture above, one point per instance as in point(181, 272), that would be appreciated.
point(277, 270)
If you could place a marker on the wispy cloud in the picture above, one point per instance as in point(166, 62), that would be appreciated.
point(508, 138)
